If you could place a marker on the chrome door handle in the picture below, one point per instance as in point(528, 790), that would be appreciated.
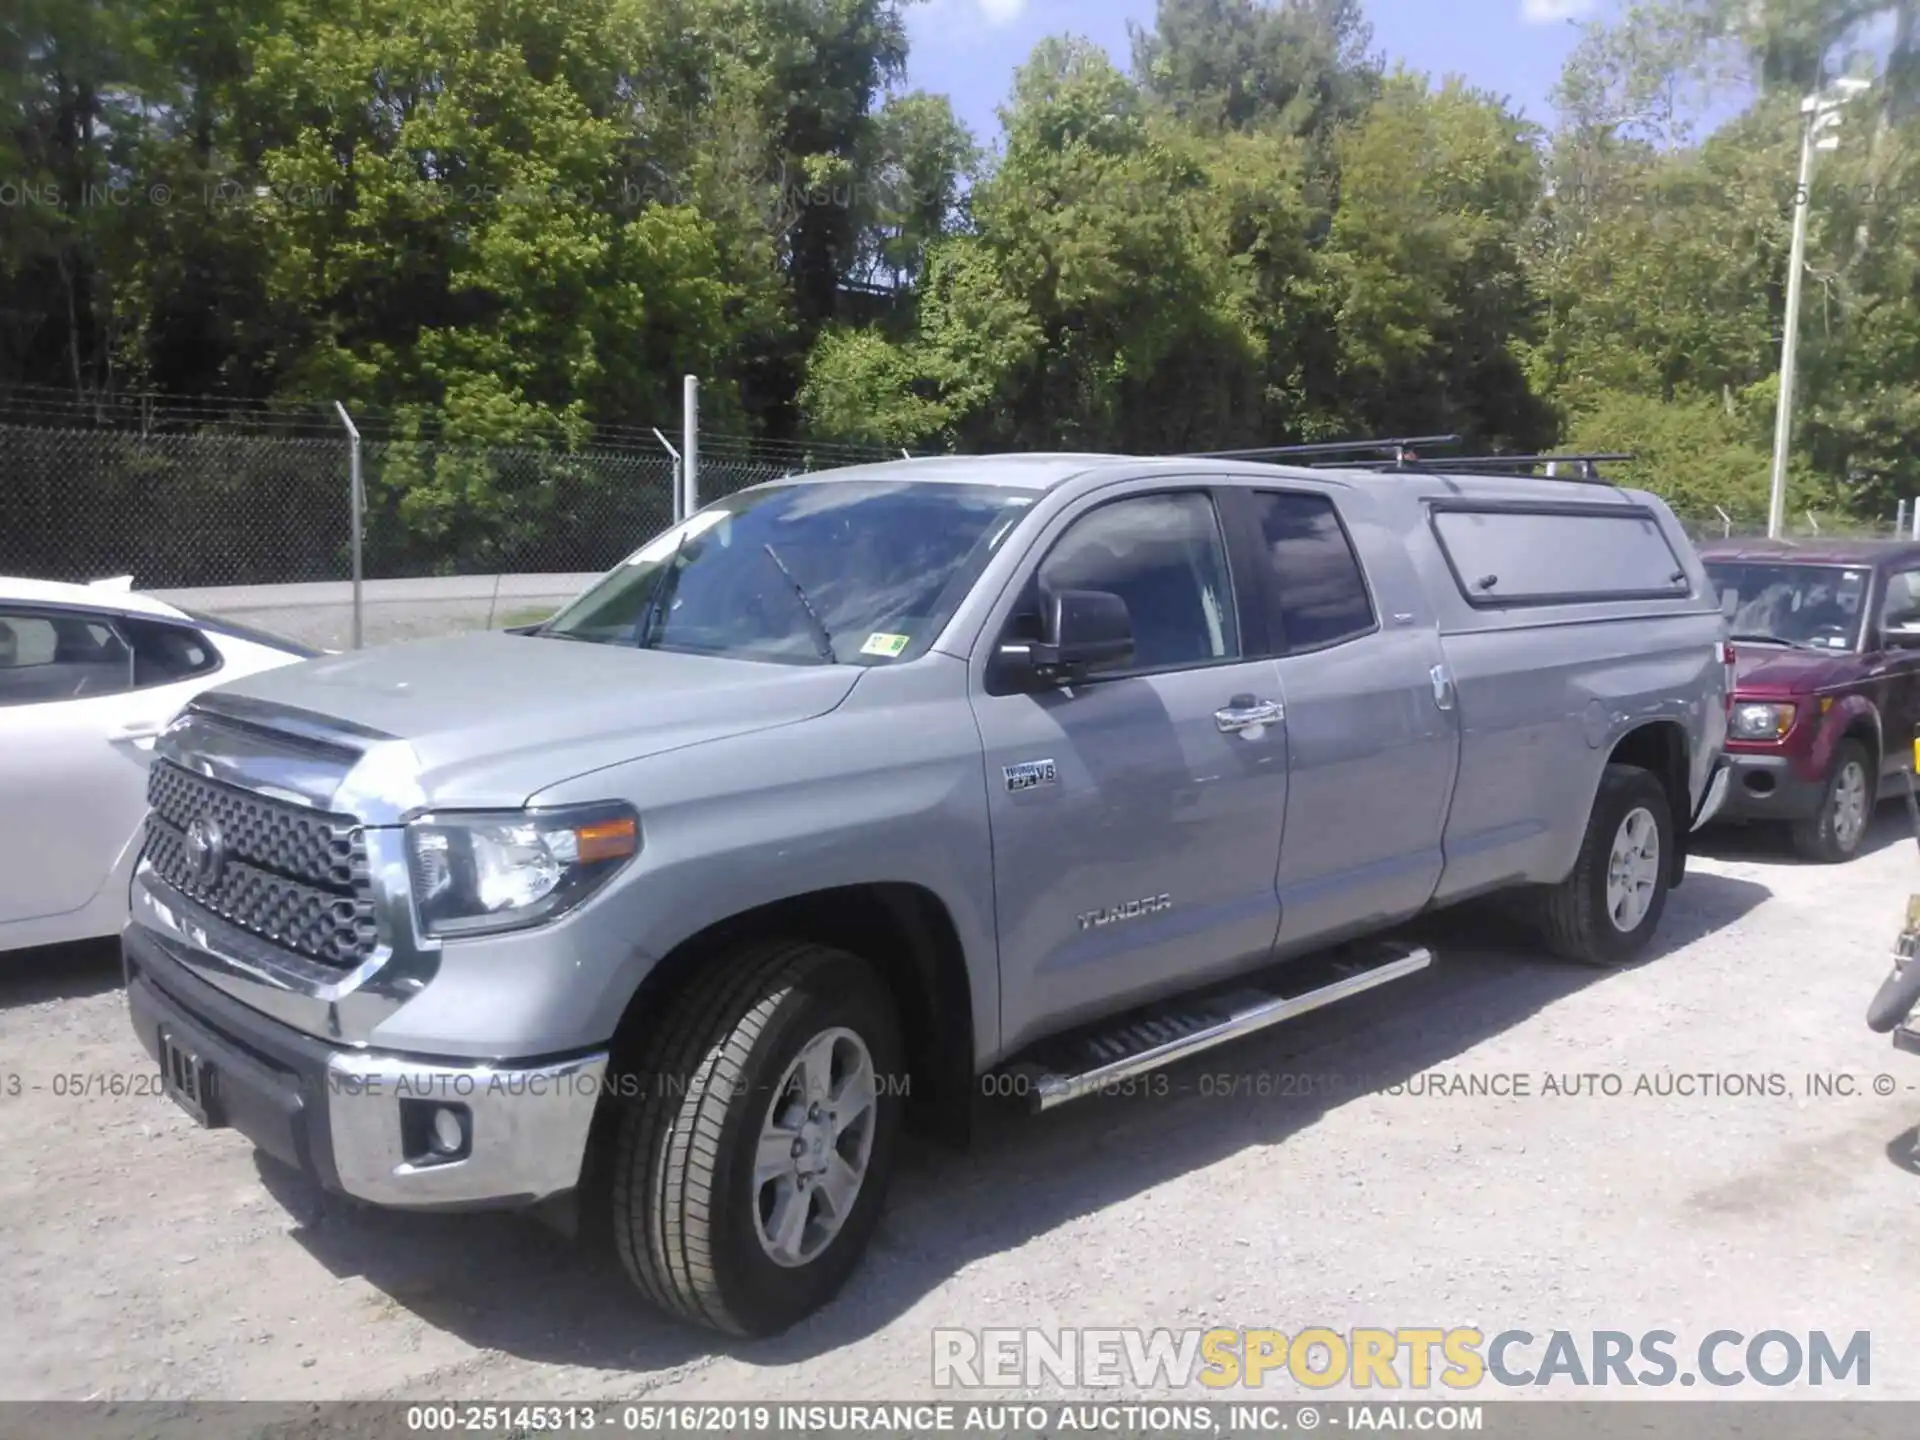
point(1442, 687)
point(1246, 713)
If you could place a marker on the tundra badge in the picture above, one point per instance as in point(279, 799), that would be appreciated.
point(1132, 910)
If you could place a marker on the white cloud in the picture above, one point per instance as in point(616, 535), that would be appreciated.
point(965, 18)
point(1552, 12)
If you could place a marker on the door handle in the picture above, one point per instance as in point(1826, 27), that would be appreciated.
point(1244, 712)
point(137, 731)
point(1442, 687)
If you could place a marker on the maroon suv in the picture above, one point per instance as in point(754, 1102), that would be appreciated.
point(1826, 635)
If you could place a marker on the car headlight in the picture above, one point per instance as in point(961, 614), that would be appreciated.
point(476, 873)
point(1761, 722)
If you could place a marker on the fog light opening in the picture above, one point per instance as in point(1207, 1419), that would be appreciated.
point(432, 1133)
point(449, 1135)
point(1760, 783)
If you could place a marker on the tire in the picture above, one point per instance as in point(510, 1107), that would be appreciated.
point(1836, 831)
point(1578, 916)
point(686, 1208)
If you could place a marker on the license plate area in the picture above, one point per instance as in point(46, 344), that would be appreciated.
point(188, 1079)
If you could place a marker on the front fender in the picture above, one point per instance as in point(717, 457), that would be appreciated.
point(889, 788)
point(1844, 713)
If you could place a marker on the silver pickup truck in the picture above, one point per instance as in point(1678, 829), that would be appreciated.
point(861, 794)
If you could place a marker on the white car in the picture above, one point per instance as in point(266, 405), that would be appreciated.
point(89, 675)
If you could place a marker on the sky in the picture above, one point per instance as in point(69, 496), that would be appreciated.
point(968, 49)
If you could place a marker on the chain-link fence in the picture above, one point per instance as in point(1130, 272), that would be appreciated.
point(208, 507)
point(192, 494)
point(1714, 527)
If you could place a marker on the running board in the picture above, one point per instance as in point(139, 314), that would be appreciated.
point(1088, 1061)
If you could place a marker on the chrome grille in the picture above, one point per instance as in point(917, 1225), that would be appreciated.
point(294, 876)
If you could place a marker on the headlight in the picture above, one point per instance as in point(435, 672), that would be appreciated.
point(475, 873)
point(1761, 722)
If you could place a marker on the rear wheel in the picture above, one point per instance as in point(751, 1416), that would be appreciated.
point(1606, 911)
point(749, 1175)
point(1835, 832)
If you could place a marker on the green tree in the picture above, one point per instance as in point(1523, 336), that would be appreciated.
point(1303, 66)
point(1423, 265)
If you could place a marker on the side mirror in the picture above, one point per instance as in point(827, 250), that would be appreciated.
point(1082, 631)
point(1085, 630)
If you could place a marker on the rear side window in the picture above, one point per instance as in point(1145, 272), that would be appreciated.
point(1322, 592)
point(1541, 557)
point(164, 654)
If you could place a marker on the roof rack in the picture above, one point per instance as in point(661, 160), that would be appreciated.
point(1400, 448)
point(1582, 469)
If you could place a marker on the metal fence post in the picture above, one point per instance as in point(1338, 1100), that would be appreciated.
point(690, 444)
point(1913, 514)
point(679, 493)
point(359, 504)
point(1900, 519)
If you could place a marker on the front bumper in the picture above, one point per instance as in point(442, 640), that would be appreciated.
point(1768, 787)
point(360, 1122)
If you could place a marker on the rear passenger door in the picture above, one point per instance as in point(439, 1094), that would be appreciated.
point(82, 696)
point(1372, 740)
point(72, 794)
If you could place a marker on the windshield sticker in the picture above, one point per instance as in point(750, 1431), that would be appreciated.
point(879, 643)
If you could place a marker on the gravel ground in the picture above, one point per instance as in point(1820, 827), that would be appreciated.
point(144, 1258)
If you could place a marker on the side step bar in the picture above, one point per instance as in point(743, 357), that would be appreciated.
point(1085, 1062)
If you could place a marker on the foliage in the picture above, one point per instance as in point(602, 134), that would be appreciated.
point(513, 222)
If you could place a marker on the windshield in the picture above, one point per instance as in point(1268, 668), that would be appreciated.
point(840, 572)
point(1811, 606)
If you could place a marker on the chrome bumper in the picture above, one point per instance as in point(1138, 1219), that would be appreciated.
point(362, 1122)
point(526, 1128)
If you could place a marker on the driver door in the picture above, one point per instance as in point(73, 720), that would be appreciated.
point(1136, 820)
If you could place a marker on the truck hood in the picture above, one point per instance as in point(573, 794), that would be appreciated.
point(1773, 670)
point(491, 718)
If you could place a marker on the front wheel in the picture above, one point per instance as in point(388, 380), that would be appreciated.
point(1606, 910)
point(1834, 833)
point(750, 1172)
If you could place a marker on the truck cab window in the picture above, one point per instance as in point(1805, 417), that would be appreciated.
point(1323, 597)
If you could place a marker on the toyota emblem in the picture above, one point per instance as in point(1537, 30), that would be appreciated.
point(206, 850)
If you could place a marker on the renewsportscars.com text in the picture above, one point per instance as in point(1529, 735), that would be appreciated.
point(1412, 1358)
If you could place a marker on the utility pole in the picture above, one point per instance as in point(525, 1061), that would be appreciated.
point(358, 506)
point(690, 445)
point(1822, 114)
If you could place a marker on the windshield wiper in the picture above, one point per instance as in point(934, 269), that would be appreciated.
point(1774, 640)
point(822, 637)
point(653, 618)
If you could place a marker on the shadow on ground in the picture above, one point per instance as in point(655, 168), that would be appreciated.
point(1771, 844)
point(59, 972)
point(505, 1284)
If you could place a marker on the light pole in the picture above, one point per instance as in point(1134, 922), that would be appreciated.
point(1821, 115)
